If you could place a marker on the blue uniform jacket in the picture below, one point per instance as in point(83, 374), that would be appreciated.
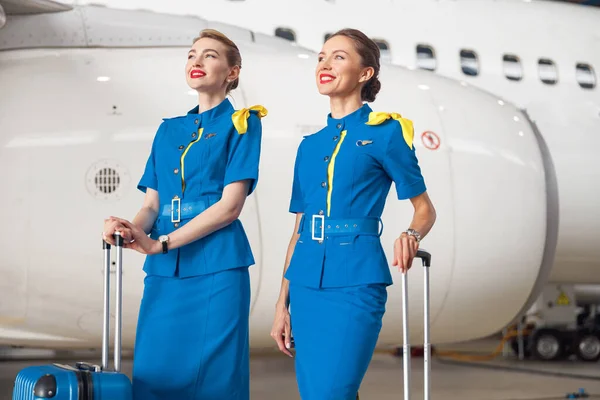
point(345, 171)
point(193, 158)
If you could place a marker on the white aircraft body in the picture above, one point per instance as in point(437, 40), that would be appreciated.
point(83, 92)
point(539, 55)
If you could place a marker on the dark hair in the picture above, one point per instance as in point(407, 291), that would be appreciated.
point(369, 53)
point(233, 53)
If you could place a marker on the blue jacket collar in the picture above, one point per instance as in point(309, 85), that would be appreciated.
point(359, 116)
point(223, 108)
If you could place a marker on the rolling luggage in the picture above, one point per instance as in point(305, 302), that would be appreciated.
point(426, 258)
point(83, 381)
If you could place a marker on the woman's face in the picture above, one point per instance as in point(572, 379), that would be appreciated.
point(339, 70)
point(207, 69)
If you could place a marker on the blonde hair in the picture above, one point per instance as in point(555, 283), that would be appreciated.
point(233, 53)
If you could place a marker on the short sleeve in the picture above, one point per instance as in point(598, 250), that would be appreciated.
point(297, 201)
point(401, 164)
point(244, 154)
point(149, 178)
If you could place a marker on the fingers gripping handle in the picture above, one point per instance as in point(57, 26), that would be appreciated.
point(119, 302)
point(426, 258)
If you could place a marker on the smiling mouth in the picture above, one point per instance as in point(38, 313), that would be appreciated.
point(326, 78)
point(196, 73)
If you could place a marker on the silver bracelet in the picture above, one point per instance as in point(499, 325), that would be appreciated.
point(413, 233)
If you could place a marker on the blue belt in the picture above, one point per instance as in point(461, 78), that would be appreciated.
point(179, 210)
point(319, 226)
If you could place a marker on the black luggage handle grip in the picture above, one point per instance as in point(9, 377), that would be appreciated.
point(83, 366)
point(425, 256)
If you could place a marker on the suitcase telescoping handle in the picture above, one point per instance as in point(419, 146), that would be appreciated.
point(426, 258)
point(118, 305)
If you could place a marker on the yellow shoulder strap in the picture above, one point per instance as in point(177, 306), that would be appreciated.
point(408, 131)
point(240, 117)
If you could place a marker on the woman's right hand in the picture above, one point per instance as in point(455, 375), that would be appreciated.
point(281, 331)
point(112, 225)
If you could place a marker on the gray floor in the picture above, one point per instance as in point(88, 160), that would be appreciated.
point(500, 379)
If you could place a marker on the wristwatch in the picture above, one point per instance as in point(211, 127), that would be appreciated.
point(413, 233)
point(164, 240)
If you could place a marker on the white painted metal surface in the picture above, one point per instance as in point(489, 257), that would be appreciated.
point(66, 110)
point(567, 115)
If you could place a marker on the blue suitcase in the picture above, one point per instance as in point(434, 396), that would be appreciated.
point(83, 381)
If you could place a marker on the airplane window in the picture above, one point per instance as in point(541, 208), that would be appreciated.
point(512, 67)
point(586, 76)
point(469, 62)
point(426, 57)
point(384, 48)
point(547, 70)
point(382, 44)
point(285, 33)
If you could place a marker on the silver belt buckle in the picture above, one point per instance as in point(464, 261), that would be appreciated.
point(178, 201)
point(322, 218)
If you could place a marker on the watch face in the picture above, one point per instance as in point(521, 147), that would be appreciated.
point(163, 238)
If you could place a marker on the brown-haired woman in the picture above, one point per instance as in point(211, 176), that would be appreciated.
point(336, 273)
point(192, 334)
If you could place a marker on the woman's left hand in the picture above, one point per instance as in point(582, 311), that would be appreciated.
point(405, 250)
point(140, 241)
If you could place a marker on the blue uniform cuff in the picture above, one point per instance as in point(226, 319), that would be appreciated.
point(410, 191)
point(143, 185)
point(253, 181)
point(296, 206)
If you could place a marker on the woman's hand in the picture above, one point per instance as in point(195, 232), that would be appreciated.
point(405, 250)
point(136, 239)
point(281, 330)
point(112, 225)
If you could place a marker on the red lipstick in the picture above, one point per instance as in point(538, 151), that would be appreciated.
point(197, 73)
point(326, 78)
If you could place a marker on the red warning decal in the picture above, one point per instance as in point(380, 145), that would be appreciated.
point(430, 140)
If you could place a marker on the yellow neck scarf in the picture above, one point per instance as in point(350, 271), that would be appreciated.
point(240, 117)
point(408, 131)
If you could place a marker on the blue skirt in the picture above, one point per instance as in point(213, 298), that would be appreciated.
point(192, 338)
point(335, 332)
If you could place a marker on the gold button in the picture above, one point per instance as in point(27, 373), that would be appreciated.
point(181, 147)
point(335, 138)
point(320, 212)
point(175, 197)
point(339, 126)
point(176, 224)
point(193, 134)
point(323, 184)
point(176, 171)
point(196, 121)
point(326, 158)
